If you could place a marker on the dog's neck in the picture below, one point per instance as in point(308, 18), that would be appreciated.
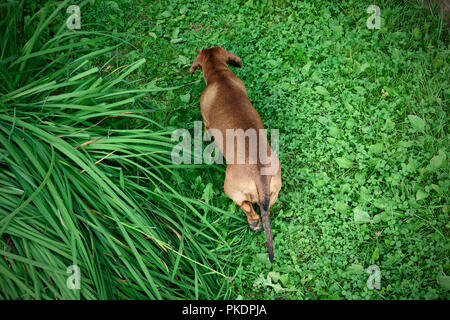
point(214, 70)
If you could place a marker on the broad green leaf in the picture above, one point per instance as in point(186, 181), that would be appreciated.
point(284, 279)
point(376, 254)
point(306, 67)
point(321, 90)
point(185, 97)
point(376, 148)
point(341, 207)
point(355, 269)
point(360, 216)
point(360, 177)
point(444, 282)
point(334, 132)
point(438, 161)
point(344, 163)
point(421, 194)
point(377, 218)
point(363, 67)
point(417, 123)
point(275, 276)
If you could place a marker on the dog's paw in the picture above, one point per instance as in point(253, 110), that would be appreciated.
point(255, 225)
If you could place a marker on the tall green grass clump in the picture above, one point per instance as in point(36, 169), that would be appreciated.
point(83, 174)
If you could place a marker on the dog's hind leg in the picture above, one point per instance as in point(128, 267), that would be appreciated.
point(253, 218)
point(242, 193)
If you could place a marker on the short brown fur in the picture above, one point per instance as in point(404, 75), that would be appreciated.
point(224, 104)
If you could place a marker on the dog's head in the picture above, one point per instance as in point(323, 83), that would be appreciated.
point(215, 55)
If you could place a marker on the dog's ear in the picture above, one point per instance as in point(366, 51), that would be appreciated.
point(232, 59)
point(196, 64)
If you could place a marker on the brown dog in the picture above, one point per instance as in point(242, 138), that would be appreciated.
point(225, 109)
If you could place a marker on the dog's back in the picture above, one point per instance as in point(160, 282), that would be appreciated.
point(234, 123)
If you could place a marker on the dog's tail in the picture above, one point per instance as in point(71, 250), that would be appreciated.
point(264, 205)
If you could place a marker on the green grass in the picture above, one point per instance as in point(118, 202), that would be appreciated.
point(362, 116)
